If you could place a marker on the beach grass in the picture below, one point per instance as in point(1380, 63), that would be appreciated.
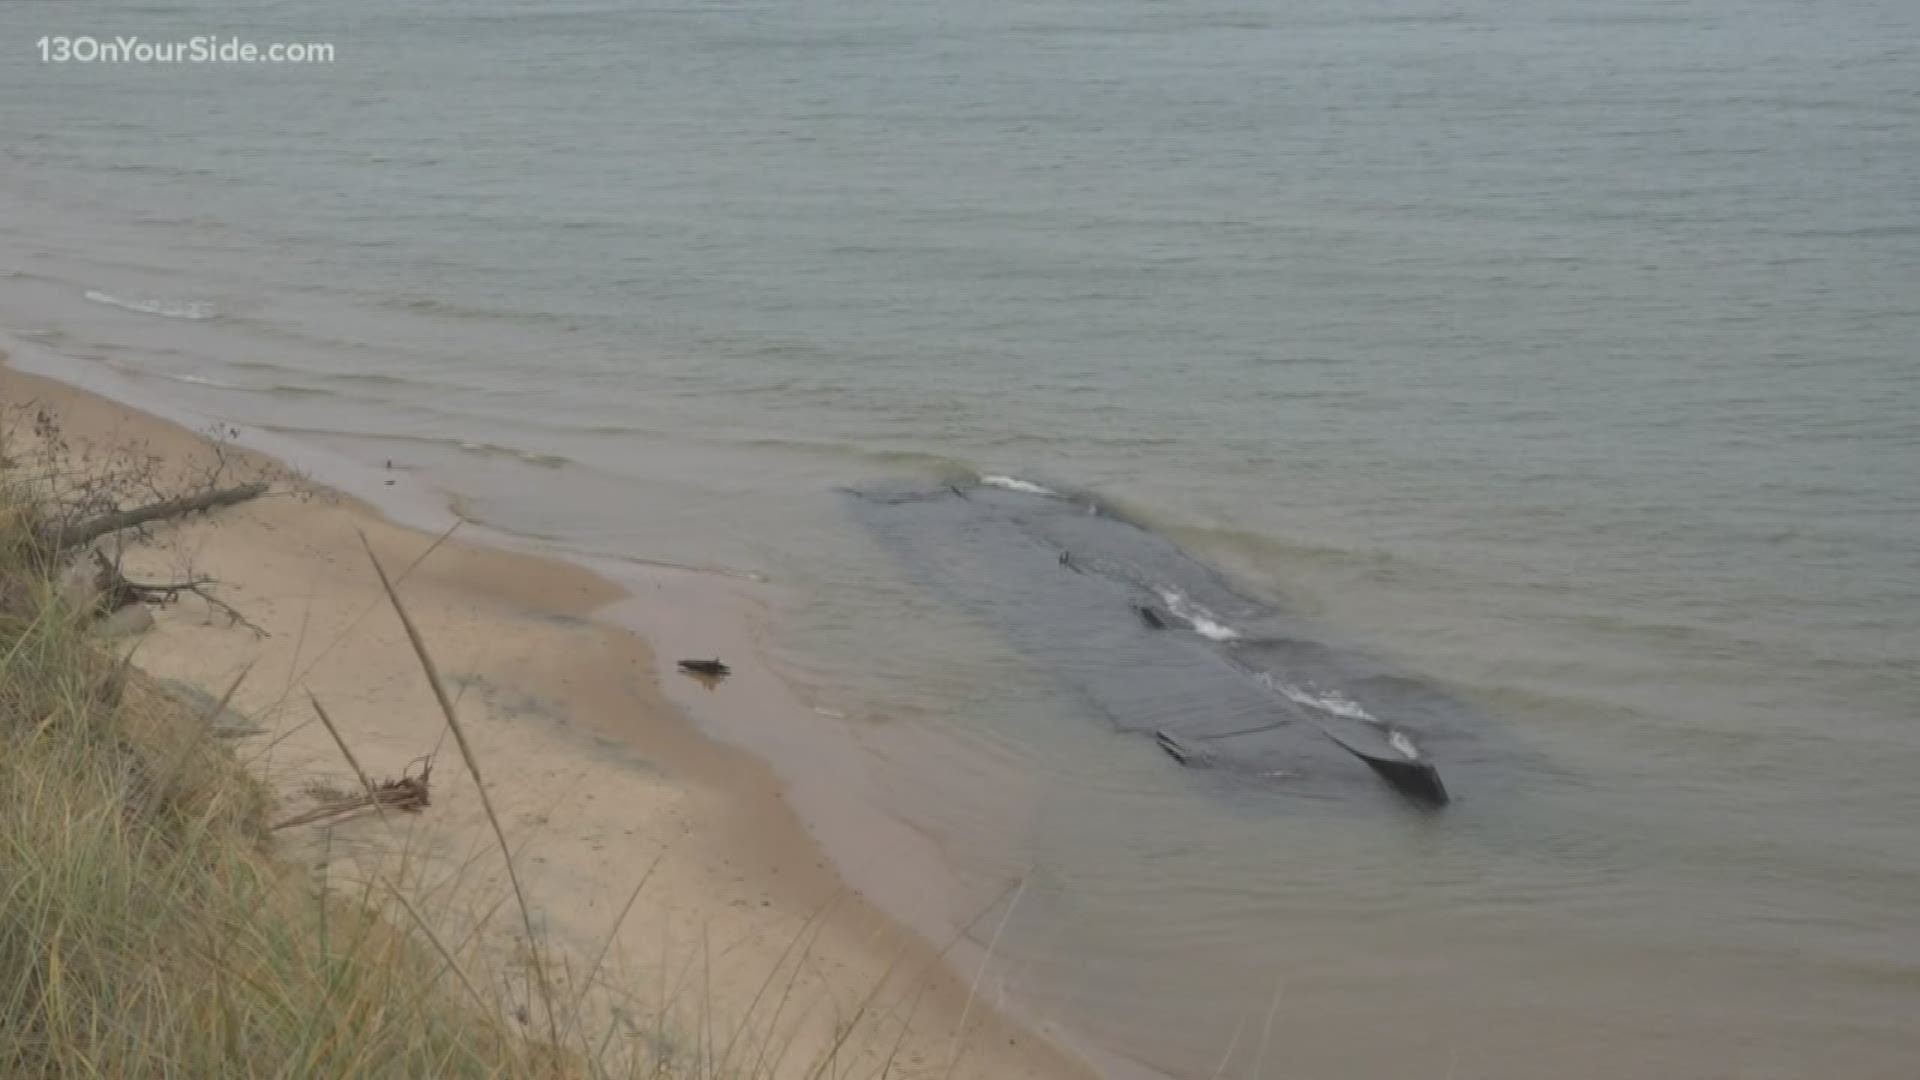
point(152, 925)
point(161, 915)
point(149, 927)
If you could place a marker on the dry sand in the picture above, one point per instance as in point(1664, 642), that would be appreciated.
point(597, 776)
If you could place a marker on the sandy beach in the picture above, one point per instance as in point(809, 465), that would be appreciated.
point(743, 926)
point(1133, 457)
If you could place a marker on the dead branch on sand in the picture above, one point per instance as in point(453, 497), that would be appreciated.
point(118, 591)
point(84, 532)
point(80, 492)
point(408, 793)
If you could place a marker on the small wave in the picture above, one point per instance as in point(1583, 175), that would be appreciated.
point(197, 380)
point(480, 449)
point(944, 468)
point(1199, 618)
point(345, 378)
point(1012, 483)
point(448, 309)
point(191, 309)
point(1332, 702)
point(215, 384)
point(250, 388)
point(376, 378)
point(531, 457)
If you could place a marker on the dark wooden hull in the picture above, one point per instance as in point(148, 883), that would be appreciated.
point(1416, 779)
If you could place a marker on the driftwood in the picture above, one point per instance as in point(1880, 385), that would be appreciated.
point(408, 793)
point(118, 591)
point(80, 533)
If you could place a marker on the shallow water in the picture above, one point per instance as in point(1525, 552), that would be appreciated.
point(1560, 362)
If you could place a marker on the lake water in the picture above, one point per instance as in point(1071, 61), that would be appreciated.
point(1562, 360)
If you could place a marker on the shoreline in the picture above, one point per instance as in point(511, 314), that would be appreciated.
point(606, 762)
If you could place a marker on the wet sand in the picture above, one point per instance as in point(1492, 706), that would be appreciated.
point(600, 778)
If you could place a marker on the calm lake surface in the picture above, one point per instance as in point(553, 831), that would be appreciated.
point(1562, 359)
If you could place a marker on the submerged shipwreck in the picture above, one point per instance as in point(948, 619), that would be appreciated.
point(1162, 644)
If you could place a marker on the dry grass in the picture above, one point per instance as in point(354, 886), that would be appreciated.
point(146, 928)
point(149, 928)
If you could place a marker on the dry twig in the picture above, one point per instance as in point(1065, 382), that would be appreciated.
point(117, 591)
point(409, 792)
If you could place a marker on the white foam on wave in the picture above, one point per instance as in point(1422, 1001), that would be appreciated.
point(1404, 745)
point(1014, 483)
point(1199, 618)
point(190, 309)
point(1332, 702)
point(199, 380)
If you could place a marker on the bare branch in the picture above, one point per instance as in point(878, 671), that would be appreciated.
point(117, 591)
point(410, 792)
point(85, 532)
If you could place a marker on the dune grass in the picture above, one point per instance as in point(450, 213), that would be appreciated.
point(149, 926)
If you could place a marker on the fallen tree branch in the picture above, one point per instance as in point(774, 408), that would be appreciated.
point(117, 591)
point(234, 618)
point(85, 532)
point(161, 593)
point(407, 793)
